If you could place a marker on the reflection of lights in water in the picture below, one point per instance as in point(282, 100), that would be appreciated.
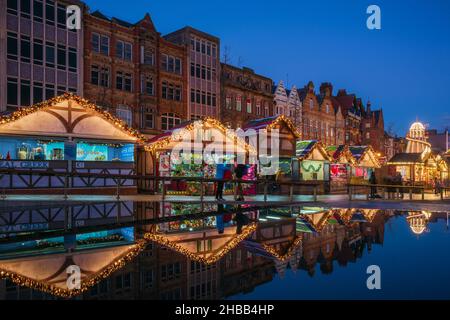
point(418, 221)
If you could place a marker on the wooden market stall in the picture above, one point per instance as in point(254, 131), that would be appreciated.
point(366, 162)
point(194, 149)
point(341, 167)
point(312, 162)
point(66, 134)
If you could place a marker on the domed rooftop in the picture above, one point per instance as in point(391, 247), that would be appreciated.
point(417, 126)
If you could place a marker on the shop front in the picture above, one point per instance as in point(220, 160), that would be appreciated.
point(366, 162)
point(313, 162)
point(194, 150)
point(340, 168)
point(65, 135)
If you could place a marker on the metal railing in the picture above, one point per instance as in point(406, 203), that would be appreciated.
point(392, 191)
point(313, 186)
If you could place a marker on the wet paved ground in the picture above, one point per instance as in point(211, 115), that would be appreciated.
point(431, 201)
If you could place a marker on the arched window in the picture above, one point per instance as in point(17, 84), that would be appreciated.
point(169, 120)
point(124, 112)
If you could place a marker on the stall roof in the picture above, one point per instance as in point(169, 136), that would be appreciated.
point(311, 150)
point(272, 251)
point(271, 122)
point(365, 156)
point(406, 158)
point(68, 116)
point(177, 133)
point(186, 243)
point(47, 273)
point(341, 154)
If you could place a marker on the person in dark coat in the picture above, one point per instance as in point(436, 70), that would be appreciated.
point(373, 181)
point(220, 172)
point(240, 171)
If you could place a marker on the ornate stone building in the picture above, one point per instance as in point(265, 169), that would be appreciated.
point(353, 113)
point(245, 96)
point(372, 127)
point(319, 116)
point(287, 102)
point(133, 72)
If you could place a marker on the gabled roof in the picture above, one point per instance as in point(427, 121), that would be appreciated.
point(341, 154)
point(68, 116)
point(404, 158)
point(365, 156)
point(177, 133)
point(306, 148)
point(270, 122)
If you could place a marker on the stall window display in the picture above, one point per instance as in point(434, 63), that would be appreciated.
point(104, 152)
point(29, 149)
point(312, 170)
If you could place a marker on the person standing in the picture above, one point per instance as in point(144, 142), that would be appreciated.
point(373, 182)
point(220, 171)
point(240, 171)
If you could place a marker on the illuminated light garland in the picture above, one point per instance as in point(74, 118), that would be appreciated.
point(322, 149)
point(85, 285)
point(291, 126)
point(323, 221)
point(161, 144)
point(345, 152)
point(164, 241)
point(366, 150)
point(82, 102)
point(289, 252)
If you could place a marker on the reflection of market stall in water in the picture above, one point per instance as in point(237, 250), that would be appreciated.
point(418, 165)
point(43, 264)
point(193, 149)
point(340, 168)
point(366, 161)
point(281, 131)
point(66, 134)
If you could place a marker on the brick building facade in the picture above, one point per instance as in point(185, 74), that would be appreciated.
point(245, 96)
point(135, 73)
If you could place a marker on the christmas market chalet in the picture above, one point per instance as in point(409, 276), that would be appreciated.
point(66, 135)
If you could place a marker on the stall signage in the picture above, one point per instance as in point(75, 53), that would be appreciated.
point(24, 164)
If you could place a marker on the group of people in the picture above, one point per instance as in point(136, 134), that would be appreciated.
point(225, 172)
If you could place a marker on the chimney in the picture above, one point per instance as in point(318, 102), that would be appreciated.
point(310, 87)
point(368, 107)
point(342, 92)
point(326, 89)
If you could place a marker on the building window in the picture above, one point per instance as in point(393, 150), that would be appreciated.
point(169, 120)
point(148, 118)
point(171, 91)
point(148, 57)
point(12, 7)
point(192, 95)
point(38, 92)
point(266, 109)
point(12, 46)
point(25, 93)
point(38, 52)
point(25, 8)
point(25, 49)
point(61, 57)
point(171, 64)
point(123, 50)
point(124, 112)
point(367, 135)
point(249, 106)
point(61, 16)
point(258, 108)
point(100, 76)
point(73, 59)
point(327, 108)
point(50, 54)
point(311, 104)
point(147, 85)
point(38, 11)
point(12, 97)
point(100, 44)
point(49, 13)
point(49, 91)
point(238, 103)
point(124, 81)
point(228, 102)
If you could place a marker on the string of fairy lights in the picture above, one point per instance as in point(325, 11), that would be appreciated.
point(237, 238)
point(283, 257)
point(116, 265)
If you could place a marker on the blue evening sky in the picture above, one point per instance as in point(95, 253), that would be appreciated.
point(403, 68)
